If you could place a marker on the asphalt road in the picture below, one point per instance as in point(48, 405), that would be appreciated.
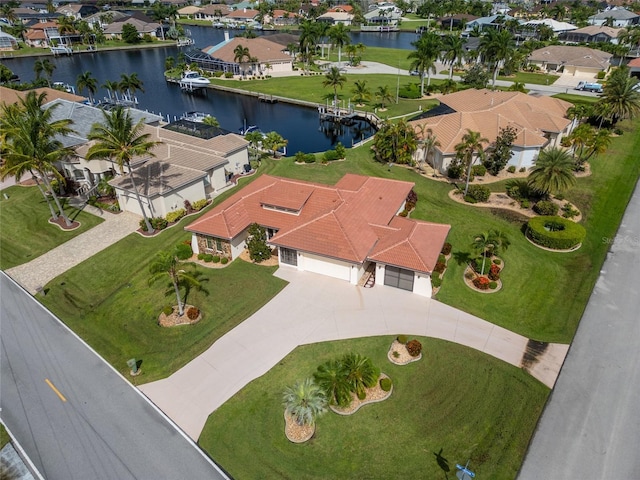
point(590, 428)
point(75, 417)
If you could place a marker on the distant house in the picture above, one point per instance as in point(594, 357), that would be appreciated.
point(188, 11)
point(266, 57)
point(556, 26)
point(282, 17)
point(456, 21)
point(42, 34)
point(334, 18)
point(634, 67)
point(77, 11)
point(142, 26)
point(102, 19)
point(7, 42)
point(483, 23)
point(592, 34)
point(351, 231)
point(539, 122)
point(244, 16)
point(571, 60)
point(618, 16)
point(212, 12)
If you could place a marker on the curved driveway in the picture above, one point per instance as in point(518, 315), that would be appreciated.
point(314, 308)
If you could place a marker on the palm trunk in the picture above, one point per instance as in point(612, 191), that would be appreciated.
point(466, 187)
point(144, 215)
point(339, 55)
point(422, 85)
point(451, 71)
point(177, 290)
point(54, 215)
point(56, 200)
point(495, 74)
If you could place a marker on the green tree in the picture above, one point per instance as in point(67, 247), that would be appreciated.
point(501, 152)
point(476, 77)
point(361, 92)
point(553, 171)
point(622, 95)
point(168, 264)
point(119, 140)
point(129, 85)
point(339, 36)
point(31, 144)
point(304, 402)
point(384, 95)
point(496, 47)
point(424, 57)
point(45, 66)
point(489, 243)
point(428, 142)
point(395, 143)
point(308, 39)
point(468, 150)
point(331, 376)
point(257, 243)
point(598, 144)
point(130, 34)
point(274, 142)
point(452, 52)
point(112, 87)
point(211, 121)
point(334, 79)
point(241, 55)
point(86, 80)
point(5, 73)
point(361, 373)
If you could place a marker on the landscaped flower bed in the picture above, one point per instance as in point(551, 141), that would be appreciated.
point(487, 282)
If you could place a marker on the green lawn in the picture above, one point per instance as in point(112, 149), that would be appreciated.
point(528, 77)
point(456, 401)
point(108, 302)
point(575, 99)
point(26, 233)
point(4, 436)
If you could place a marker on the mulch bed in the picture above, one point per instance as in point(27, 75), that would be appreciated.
point(403, 358)
point(174, 319)
point(374, 394)
point(469, 281)
point(62, 224)
point(297, 433)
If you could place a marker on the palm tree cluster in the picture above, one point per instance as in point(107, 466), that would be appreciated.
point(395, 143)
point(340, 378)
point(471, 148)
point(489, 243)
point(127, 86)
point(621, 95)
point(31, 144)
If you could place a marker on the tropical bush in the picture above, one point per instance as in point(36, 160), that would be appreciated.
point(215, 258)
point(442, 258)
point(183, 251)
point(494, 272)
point(440, 267)
point(568, 211)
point(436, 281)
point(385, 384)
point(208, 257)
point(257, 243)
point(330, 156)
point(410, 91)
point(556, 233)
point(493, 285)
point(481, 283)
point(167, 310)
point(304, 401)
point(414, 347)
point(480, 193)
point(446, 248)
point(224, 260)
point(201, 256)
point(455, 170)
point(176, 215)
point(159, 223)
point(199, 204)
point(511, 169)
point(546, 207)
point(403, 339)
point(478, 170)
point(340, 150)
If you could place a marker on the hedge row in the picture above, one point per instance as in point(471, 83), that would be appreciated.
point(554, 232)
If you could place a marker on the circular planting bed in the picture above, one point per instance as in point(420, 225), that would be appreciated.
point(399, 354)
point(297, 433)
point(555, 233)
point(187, 318)
point(490, 282)
point(373, 395)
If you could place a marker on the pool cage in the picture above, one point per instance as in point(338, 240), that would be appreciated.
point(210, 64)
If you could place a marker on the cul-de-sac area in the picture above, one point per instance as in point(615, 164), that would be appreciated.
point(448, 297)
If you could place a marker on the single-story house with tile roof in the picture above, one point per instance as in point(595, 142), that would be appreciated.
point(246, 15)
point(114, 30)
point(334, 18)
point(269, 57)
point(282, 17)
point(349, 231)
point(621, 17)
point(634, 67)
point(571, 60)
point(188, 12)
point(539, 122)
point(592, 34)
point(40, 34)
point(213, 11)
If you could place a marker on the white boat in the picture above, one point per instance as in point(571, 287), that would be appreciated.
point(64, 86)
point(194, 78)
point(197, 117)
point(61, 50)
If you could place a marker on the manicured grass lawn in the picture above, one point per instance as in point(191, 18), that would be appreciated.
point(456, 401)
point(108, 302)
point(575, 99)
point(311, 89)
point(529, 77)
point(394, 57)
point(26, 232)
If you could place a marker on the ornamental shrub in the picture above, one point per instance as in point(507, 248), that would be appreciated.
point(228, 74)
point(192, 313)
point(480, 193)
point(385, 384)
point(299, 157)
point(176, 215)
point(309, 158)
point(442, 258)
point(511, 169)
point(199, 204)
point(446, 248)
point(414, 347)
point(525, 203)
point(455, 170)
point(224, 260)
point(402, 339)
point(470, 199)
point(201, 256)
point(440, 267)
point(478, 170)
point(183, 252)
point(497, 261)
point(556, 233)
point(208, 257)
point(493, 285)
point(568, 211)
point(215, 259)
point(340, 150)
point(167, 310)
point(494, 272)
point(362, 394)
point(545, 207)
point(436, 281)
point(481, 283)
point(159, 223)
point(469, 275)
point(330, 156)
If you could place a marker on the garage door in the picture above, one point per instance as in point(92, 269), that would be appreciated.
point(327, 266)
point(398, 277)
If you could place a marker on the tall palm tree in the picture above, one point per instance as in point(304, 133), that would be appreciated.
point(579, 138)
point(452, 51)
point(112, 87)
point(331, 376)
point(622, 95)
point(468, 150)
point(428, 142)
point(339, 36)
point(119, 140)
point(308, 39)
point(424, 57)
point(275, 142)
point(30, 143)
point(167, 264)
point(45, 66)
point(86, 80)
point(334, 79)
point(304, 401)
point(598, 144)
point(383, 93)
point(553, 171)
point(129, 85)
point(240, 54)
point(489, 243)
point(496, 47)
point(361, 92)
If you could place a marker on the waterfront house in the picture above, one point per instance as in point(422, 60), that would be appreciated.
point(41, 34)
point(77, 11)
point(7, 42)
point(618, 16)
point(592, 34)
point(282, 17)
point(244, 16)
point(555, 25)
point(333, 18)
point(634, 68)
point(539, 122)
point(212, 12)
point(571, 60)
point(351, 231)
point(143, 25)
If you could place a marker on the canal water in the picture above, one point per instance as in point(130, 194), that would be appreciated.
point(299, 125)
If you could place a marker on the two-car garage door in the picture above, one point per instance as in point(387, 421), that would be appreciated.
point(326, 266)
point(398, 277)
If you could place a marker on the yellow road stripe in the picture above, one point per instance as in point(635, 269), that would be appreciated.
point(55, 390)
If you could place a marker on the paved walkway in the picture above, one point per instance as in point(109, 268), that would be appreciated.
point(301, 314)
point(39, 271)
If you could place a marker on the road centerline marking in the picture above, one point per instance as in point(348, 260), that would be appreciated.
point(57, 392)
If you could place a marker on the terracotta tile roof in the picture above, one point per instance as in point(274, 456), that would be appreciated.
point(9, 96)
point(634, 63)
point(572, 55)
point(348, 221)
point(487, 112)
point(243, 14)
point(260, 48)
point(596, 29)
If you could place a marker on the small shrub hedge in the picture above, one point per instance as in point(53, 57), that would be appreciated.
point(414, 347)
point(176, 215)
point(545, 207)
point(446, 248)
point(224, 260)
point(568, 211)
point(436, 281)
point(215, 259)
point(183, 251)
point(493, 285)
point(511, 169)
point(199, 204)
point(479, 170)
point(201, 256)
point(402, 339)
point(168, 310)
point(442, 258)
point(208, 257)
point(494, 272)
point(480, 193)
point(554, 232)
point(440, 267)
point(481, 283)
point(385, 384)
point(410, 91)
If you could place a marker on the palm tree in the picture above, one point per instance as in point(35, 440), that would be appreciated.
point(211, 121)
point(334, 79)
point(621, 95)
point(119, 140)
point(383, 93)
point(240, 54)
point(361, 373)
point(129, 85)
point(304, 402)
point(308, 39)
point(423, 58)
point(86, 80)
point(66, 25)
point(553, 171)
point(496, 47)
point(273, 141)
point(112, 87)
point(598, 144)
point(470, 148)
point(167, 264)
point(331, 376)
point(361, 92)
point(489, 243)
point(579, 139)
point(30, 143)
point(45, 66)
point(453, 51)
point(339, 36)
point(427, 141)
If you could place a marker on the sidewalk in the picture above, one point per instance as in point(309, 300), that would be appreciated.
point(300, 314)
point(38, 272)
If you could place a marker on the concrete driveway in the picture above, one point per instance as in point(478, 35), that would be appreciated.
point(314, 308)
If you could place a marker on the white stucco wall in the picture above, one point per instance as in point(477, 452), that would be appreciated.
point(523, 157)
point(238, 245)
point(237, 160)
point(217, 179)
point(422, 285)
point(324, 266)
point(175, 200)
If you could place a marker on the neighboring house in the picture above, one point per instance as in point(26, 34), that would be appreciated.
point(268, 57)
point(494, 21)
point(334, 18)
point(556, 26)
point(78, 12)
point(7, 42)
point(282, 17)
point(42, 34)
point(211, 12)
point(27, 15)
point(114, 30)
point(349, 231)
point(102, 19)
point(539, 122)
point(383, 16)
point(592, 34)
point(244, 16)
point(618, 16)
point(456, 21)
point(571, 60)
point(188, 11)
point(634, 67)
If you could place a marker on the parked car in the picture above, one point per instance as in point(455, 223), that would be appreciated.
point(414, 73)
point(589, 87)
